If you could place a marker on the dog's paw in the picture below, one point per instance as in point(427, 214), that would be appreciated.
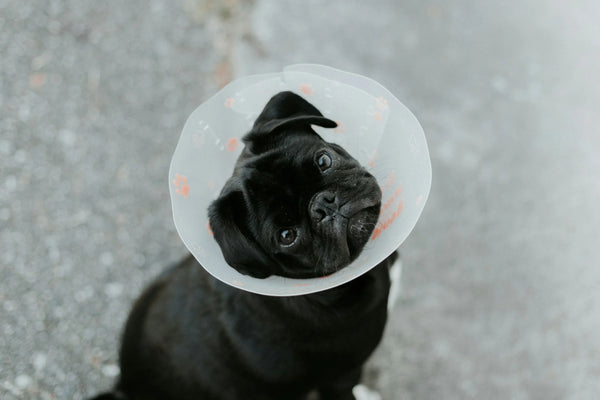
point(361, 392)
point(396, 283)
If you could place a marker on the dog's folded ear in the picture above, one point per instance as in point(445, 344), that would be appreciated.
point(227, 216)
point(284, 110)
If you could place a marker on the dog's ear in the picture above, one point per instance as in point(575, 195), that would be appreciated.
point(228, 222)
point(284, 110)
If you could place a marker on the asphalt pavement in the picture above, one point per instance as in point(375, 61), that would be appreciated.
point(501, 280)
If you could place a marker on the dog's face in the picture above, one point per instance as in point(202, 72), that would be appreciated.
point(296, 205)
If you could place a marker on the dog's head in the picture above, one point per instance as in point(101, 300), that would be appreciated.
point(296, 205)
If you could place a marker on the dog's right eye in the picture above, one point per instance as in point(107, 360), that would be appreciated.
point(287, 236)
point(324, 161)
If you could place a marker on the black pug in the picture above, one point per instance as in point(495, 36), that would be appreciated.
point(295, 206)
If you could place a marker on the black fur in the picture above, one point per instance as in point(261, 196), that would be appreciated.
point(190, 336)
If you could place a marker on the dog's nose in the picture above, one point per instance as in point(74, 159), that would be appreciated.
point(324, 204)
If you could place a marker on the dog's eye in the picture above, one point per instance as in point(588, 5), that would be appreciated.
point(287, 236)
point(324, 161)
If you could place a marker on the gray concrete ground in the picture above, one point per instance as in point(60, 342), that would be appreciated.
point(501, 286)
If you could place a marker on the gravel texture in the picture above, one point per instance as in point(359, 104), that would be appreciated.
point(501, 284)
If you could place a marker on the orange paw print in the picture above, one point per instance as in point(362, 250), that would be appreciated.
point(372, 161)
point(306, 89)
point(392, 208)
point(180, 182)
point(340, 128)
point(232, 144)
point(382, 104)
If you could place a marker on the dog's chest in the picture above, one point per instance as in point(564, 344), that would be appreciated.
point(280, 348)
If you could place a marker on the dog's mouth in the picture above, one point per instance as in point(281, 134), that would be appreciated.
point(360, 227)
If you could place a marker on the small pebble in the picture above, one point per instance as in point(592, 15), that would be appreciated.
point(67, 137)
point(20, 156)
point(5, 147)
point(84, 294)
point(23, 381)
point(39, 361)
point(9, 306)
point(113, 289)
point(10, 183)
point(111, 370)
point(106, 258)
point(499, 83)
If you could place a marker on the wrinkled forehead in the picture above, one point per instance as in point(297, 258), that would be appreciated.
point(282, 181)
point(293, 157)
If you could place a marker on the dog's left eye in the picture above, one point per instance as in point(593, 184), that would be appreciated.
point(287, 236)
point(324, 161)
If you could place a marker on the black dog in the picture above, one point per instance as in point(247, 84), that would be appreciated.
point(295, 206)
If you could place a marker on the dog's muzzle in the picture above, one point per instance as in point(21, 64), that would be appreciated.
point(324, 206)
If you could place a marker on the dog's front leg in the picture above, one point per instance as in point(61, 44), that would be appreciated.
point(341, 387)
